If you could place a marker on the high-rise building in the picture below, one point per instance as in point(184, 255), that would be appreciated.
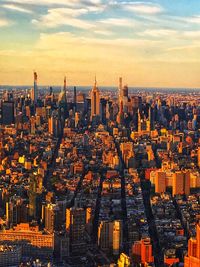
point(160, 182)
point(142, 251)
point(193, 257)
point(35, 88)
point(75, 226)
point(95, 102)
point(51, 217)
point(75, 98)
point(110, 236)
point(198, 157)
point(16, 211)
point(181, 183)
point(8, 113)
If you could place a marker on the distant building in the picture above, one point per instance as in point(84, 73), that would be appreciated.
point(8, 113)
point(95, 102)
point(35, 88)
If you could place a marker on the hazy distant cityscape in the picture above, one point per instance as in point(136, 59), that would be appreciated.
point(99, 177)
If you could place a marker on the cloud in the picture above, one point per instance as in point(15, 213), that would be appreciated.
point(16, 8)
point(147, 8)
point(103, 32)
point(159, 33)
point(67, 16)
point(57, 3)
point(193, 19)
point(118, 22)
point(63, 16)
point(5, 22)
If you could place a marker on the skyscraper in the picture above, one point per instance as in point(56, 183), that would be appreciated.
point(95, 101)
point(35, 88)
point(181, 183)
point(110, 236)
point(75, 226)
point(160, 182)
point(193, 257)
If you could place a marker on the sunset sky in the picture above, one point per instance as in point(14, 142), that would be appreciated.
point(149, 43)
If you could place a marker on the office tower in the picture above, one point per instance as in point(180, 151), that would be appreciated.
point(117, 237)
point(160, 182)
point(181, 183)
point(65, 90)
point(110, 236)
point(35, 196)
point(75, 226)
point(35, 88)
point(50, 90)
point(95, 102)
point(16, 211)
point(148, 122)
point(139, 121)
point(193, 257)
point(32, 125)
point(120, 91)
point(75, 98)
point(54, 125)
point(125, 99)
point(198, 157)
point(51, 219)
point(120, 115)
point(8, 113)
point(77, 118)
point(142, 251)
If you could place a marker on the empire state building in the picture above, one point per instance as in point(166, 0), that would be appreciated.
point(95, 102)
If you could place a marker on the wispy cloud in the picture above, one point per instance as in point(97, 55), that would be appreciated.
point(5, 22)
point(103, 32)
point(14, 7)
point(193, 19)
point(63, 16)
point(158, 33)
point(139, 7)
point(56, 2)
point(120, 22)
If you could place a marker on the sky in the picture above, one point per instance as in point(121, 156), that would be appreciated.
point(149, 43)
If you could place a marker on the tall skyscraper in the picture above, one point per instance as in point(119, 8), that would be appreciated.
point(193, 257)
point(35, 88)
point(51, 217)
point(181, 183)
point(75, 98)
point(160, 182)
point(120, 90)
point(95, 101)
point(110, 236)
point(8, 113)
point(65, 90)
point(75, 226)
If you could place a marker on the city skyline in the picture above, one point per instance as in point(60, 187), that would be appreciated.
point(149, 43)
